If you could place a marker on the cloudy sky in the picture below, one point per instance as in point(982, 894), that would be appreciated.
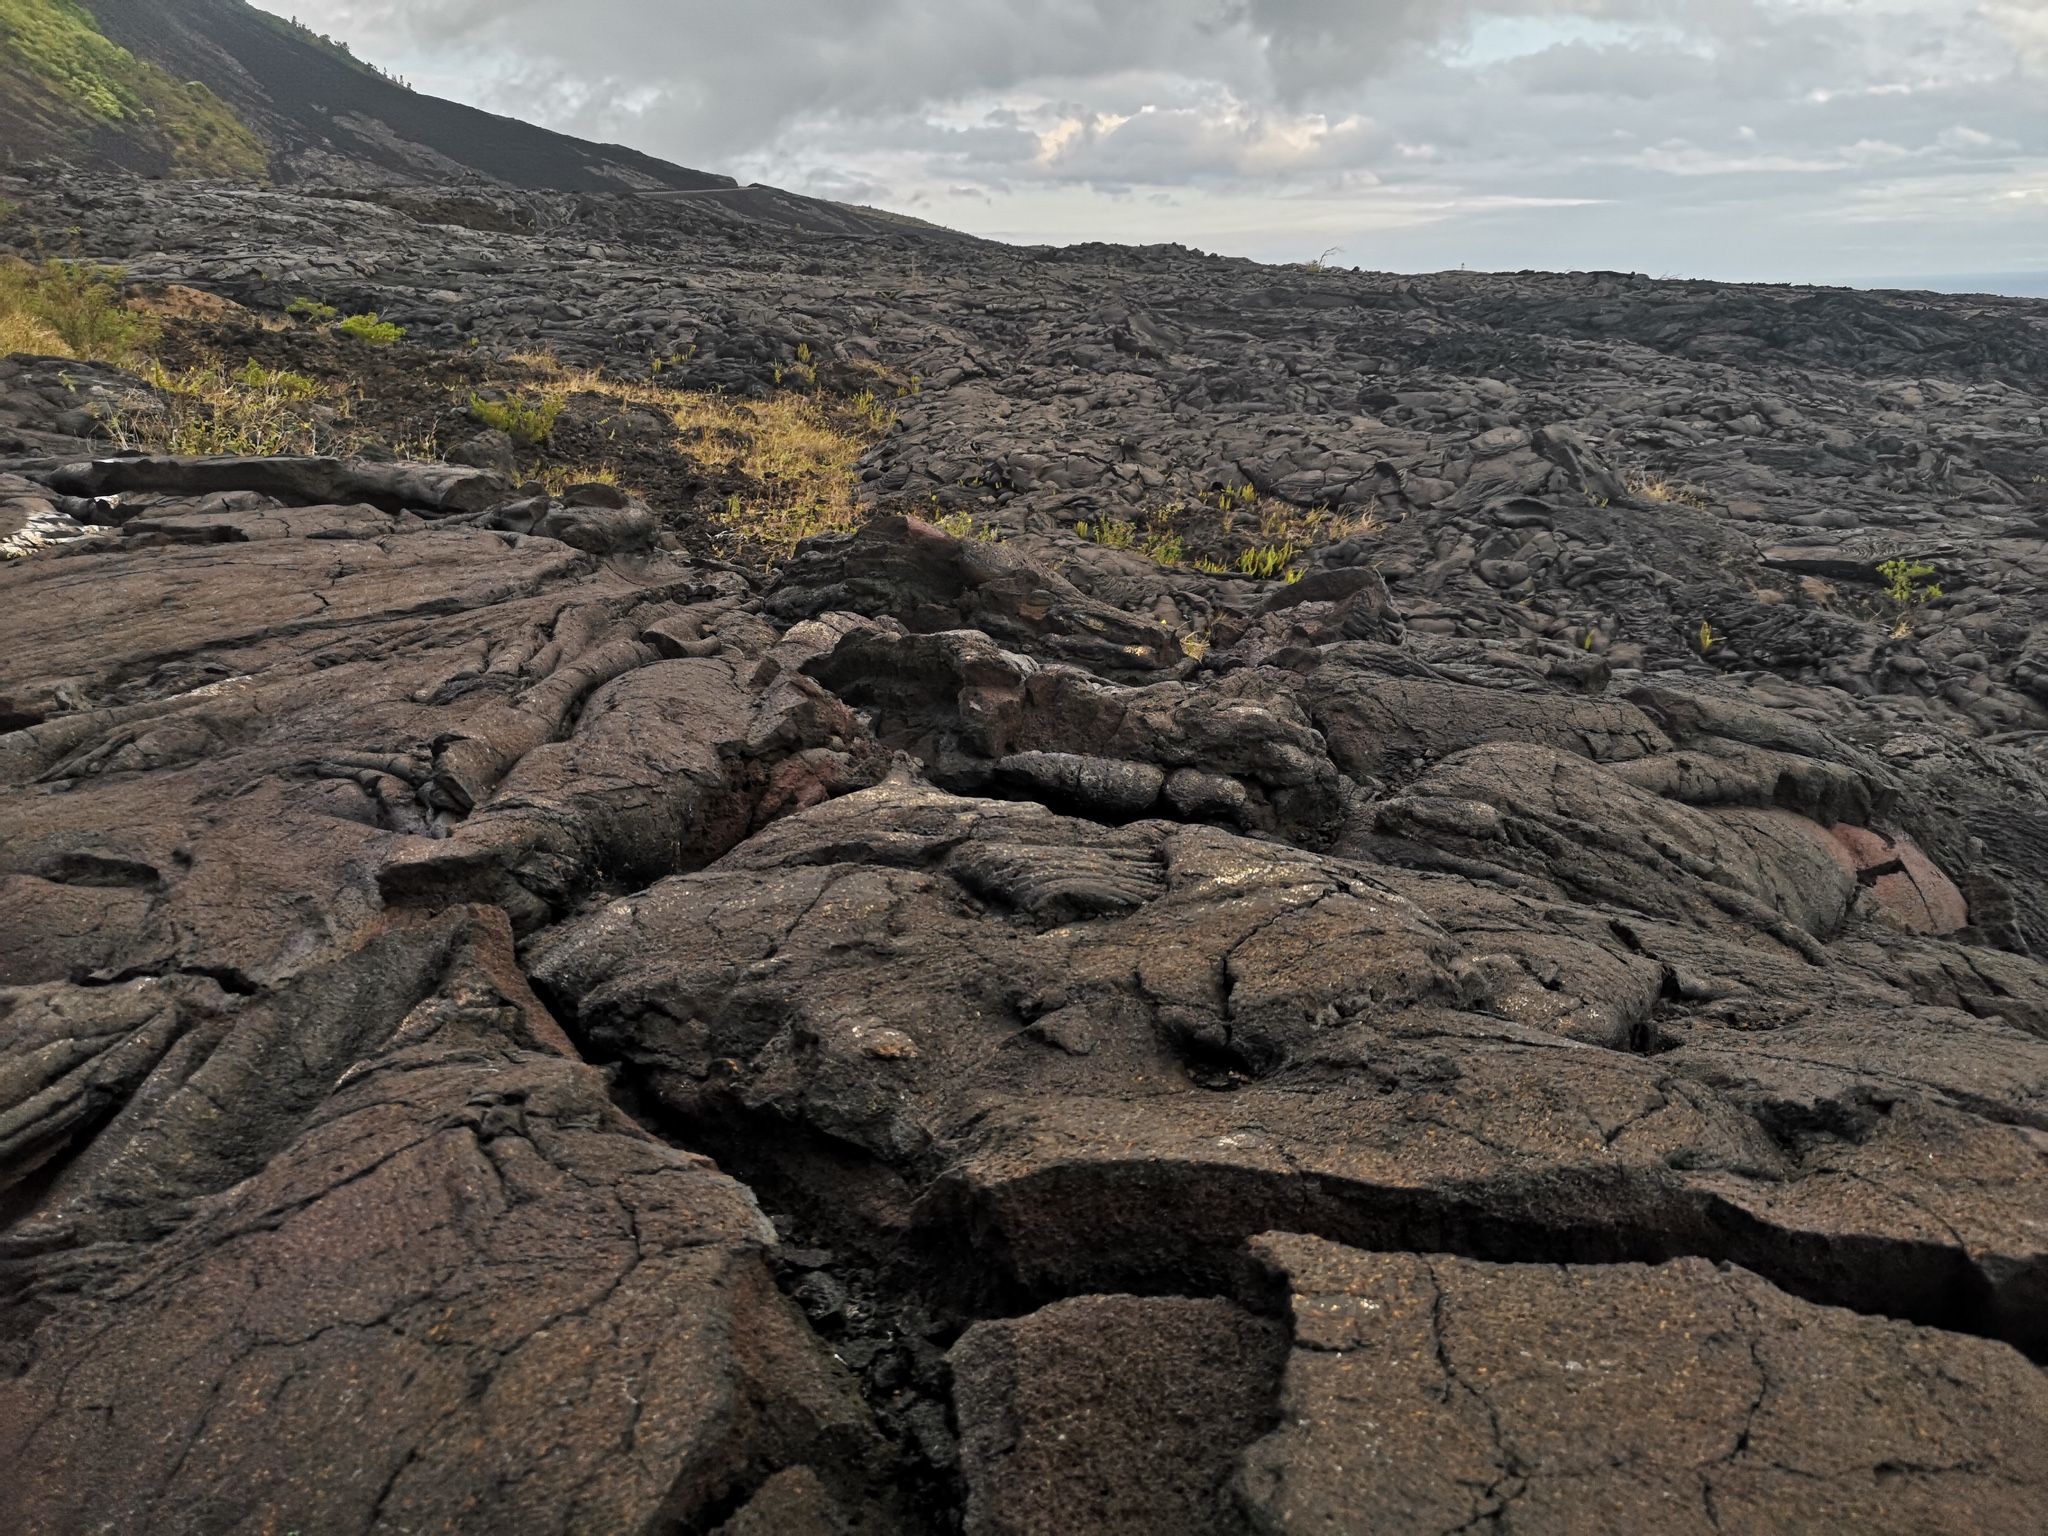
point(1817, 140)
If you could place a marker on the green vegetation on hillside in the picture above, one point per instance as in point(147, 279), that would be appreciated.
point(70, 309)
point(94, 81)
point(334, 47)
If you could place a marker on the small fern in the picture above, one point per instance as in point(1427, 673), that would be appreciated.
point(1906, 583)
point(1267, 562)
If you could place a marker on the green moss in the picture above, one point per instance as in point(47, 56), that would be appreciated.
point(60, 48)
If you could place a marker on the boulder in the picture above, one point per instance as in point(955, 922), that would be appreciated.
point(440, 488)
point(929, 581)
point(1436, 1392)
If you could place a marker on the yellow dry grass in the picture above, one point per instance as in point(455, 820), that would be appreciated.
point(559, 477)
point(175, 301)
point(254, 410)
point(21, 332)
point(795, 453)
point(1656, 488)
point(70, 309)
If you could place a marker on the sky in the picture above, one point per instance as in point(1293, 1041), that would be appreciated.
point(1840, 141)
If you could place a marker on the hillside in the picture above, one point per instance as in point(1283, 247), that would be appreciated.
point(677, 872)
point(219, 88)
point(67, 91)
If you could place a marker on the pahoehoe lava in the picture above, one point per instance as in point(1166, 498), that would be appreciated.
point(1346, 904)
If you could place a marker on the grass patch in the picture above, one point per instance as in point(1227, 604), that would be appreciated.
point(1670, 492)
point(962, 526)
point(796, 454)
point(1155, 542)
point(21, 331)
point(559, 477)
point(71, 309)
point(525, 422)
point(874, 415)
point(1269, 562)
point(1283, 523)
point(793, 455)
point(371, 330)
point(212, 409)
point(1109, 533)
point(1254, 536)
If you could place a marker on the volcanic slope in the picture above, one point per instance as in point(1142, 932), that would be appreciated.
point(219, 88)
point(1284, 900)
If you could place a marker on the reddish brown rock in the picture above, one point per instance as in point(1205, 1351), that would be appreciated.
point(253, 743)
point(1117, 1052)
point(464, 1292)
point(1112, 1414)
point(1911, 892)
point(1429, 1394)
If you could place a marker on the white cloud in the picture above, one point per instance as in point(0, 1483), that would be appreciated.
point(1740, 137)
point(2024, 24)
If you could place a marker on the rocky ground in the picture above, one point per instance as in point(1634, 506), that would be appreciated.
point(1392, 928)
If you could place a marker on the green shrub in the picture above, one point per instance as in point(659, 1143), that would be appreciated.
point(311, 309)
point(371, 330)
point(526, 424)
point(76, 305)
point(1906, 583)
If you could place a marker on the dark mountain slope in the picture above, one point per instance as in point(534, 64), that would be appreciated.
point(325, 113)
point(218, 88)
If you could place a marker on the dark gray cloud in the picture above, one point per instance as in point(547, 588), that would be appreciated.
point(1822, 138)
